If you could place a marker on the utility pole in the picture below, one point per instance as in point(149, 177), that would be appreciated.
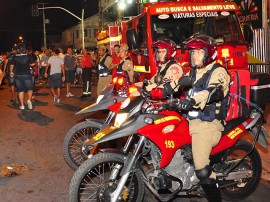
point(82, 21)
point(44, 28)
point(57, 7)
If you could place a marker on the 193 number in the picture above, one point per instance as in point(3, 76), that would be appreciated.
point(169, 144)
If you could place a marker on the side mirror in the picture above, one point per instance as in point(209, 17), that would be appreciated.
point(248, 34)
point(145, 52)
point(132, 39)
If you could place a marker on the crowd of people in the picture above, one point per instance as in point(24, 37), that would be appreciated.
point(58, 68)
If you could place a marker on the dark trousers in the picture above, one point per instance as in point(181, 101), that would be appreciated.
point(86, 77)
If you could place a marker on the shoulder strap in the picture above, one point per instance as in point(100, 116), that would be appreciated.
point(163, 72)
point(127, 58)
point(104, 59)
point(204, 80)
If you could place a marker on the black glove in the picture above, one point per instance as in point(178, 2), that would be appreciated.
point(167, 90)
point(186, 104)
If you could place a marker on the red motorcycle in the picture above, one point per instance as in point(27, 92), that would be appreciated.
point(109, 99)
point(158, 155)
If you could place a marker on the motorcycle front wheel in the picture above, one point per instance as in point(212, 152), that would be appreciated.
point(92, 181)
point(241, 189)
point(73, 143)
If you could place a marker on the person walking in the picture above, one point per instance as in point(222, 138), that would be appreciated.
point(78, 72)
point(87, 64)
point(38, 64)
point(103, 68)
point(57, 74)
point(44, 59)
point(20, 70)
point(70, 65)
point(11, 80)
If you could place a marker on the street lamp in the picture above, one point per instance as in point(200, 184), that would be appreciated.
point(122, 5)
point(20, 38)
point(57, 7)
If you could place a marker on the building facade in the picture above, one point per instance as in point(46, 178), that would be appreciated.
point(72, 37)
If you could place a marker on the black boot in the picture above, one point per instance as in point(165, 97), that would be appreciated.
point(210, 188)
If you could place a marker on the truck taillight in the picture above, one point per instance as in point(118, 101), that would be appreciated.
point(226, 58)
point(225, 53)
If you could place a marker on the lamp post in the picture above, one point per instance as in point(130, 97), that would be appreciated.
point(82, 21)
point(44, 29)
point(57, 7)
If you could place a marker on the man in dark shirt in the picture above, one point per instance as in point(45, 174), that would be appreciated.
point(20, 70)
point(11, 81)
point(70, 64)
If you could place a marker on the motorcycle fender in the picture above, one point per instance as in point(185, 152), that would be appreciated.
point(110, 132)
point(119, 154)
point(262, 136)
point(96, 122)
point(116, 152)
point(103, 104)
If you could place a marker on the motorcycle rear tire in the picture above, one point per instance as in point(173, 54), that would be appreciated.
point(236, 193)
point(84, 130)
point(82, 179)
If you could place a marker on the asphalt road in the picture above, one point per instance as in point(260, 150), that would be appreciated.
point(33, 139)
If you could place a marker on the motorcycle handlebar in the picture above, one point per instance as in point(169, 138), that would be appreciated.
point(168, 105)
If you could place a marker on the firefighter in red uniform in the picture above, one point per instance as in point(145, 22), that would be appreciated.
point(210, 84)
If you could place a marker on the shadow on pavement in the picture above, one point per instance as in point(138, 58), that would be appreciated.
point(15, 105)
point(41, 94)
point(35, 116)
point(39, 103)
point(68, 107)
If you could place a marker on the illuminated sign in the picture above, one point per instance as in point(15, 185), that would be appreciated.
point(188, 8)
point(250, 11)
point(193, 15)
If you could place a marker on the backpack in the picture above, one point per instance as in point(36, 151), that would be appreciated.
point(236, 103)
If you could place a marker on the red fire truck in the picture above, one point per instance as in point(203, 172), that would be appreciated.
point(178, 20)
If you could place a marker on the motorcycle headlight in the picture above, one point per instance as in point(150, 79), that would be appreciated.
point(120, 119)
point(99, 98)
point(125, 103)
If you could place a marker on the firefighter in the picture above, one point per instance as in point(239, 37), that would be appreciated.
point(210, 84)
point(125, 65)
point(168, 69)
point(103, 68)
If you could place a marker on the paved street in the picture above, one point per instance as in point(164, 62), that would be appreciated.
point(35, 138)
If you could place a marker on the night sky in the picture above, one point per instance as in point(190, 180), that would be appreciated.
point(16, 20)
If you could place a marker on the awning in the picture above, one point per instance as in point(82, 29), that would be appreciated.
point(254, 60)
